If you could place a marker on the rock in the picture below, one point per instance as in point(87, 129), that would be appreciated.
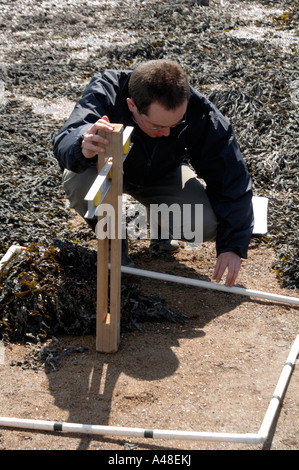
point(202, 2)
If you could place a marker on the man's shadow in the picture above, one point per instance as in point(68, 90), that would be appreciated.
point(94, 379)
point(87, 391)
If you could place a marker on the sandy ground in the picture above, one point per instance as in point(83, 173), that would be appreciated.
point(215, 373)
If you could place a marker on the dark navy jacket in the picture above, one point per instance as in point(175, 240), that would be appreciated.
point(206, 140)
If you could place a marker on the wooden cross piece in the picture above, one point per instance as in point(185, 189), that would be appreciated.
point(109, 185)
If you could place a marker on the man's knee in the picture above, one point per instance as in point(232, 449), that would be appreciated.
point(76, 186)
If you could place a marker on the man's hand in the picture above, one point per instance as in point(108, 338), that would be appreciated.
point(92, 143)
point(232, 262)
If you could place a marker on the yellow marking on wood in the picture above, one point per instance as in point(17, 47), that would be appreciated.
point(126, 147)
point(97, 199)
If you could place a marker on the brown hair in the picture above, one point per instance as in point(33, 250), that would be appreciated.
point(162, 81)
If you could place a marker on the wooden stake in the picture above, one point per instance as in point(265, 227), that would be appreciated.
point(108, 319)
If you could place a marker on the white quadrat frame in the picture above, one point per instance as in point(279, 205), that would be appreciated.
point(243, 438)
point(110, 180)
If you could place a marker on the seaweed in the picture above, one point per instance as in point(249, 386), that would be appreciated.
point(247, 66)
point(51, 290)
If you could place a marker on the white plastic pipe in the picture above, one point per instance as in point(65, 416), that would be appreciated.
point(123, 431)
point(12, 251)
point(249, 438)
point(279, 390)
point(16, 249)
point(209, 285)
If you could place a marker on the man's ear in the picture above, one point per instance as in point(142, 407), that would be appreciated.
point(131, 104)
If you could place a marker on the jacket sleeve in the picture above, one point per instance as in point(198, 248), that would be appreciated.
point(216, 157)
point(98, 99)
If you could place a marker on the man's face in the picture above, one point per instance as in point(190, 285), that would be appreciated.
point(158, 121)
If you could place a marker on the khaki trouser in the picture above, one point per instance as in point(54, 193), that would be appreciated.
point(180, 188)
